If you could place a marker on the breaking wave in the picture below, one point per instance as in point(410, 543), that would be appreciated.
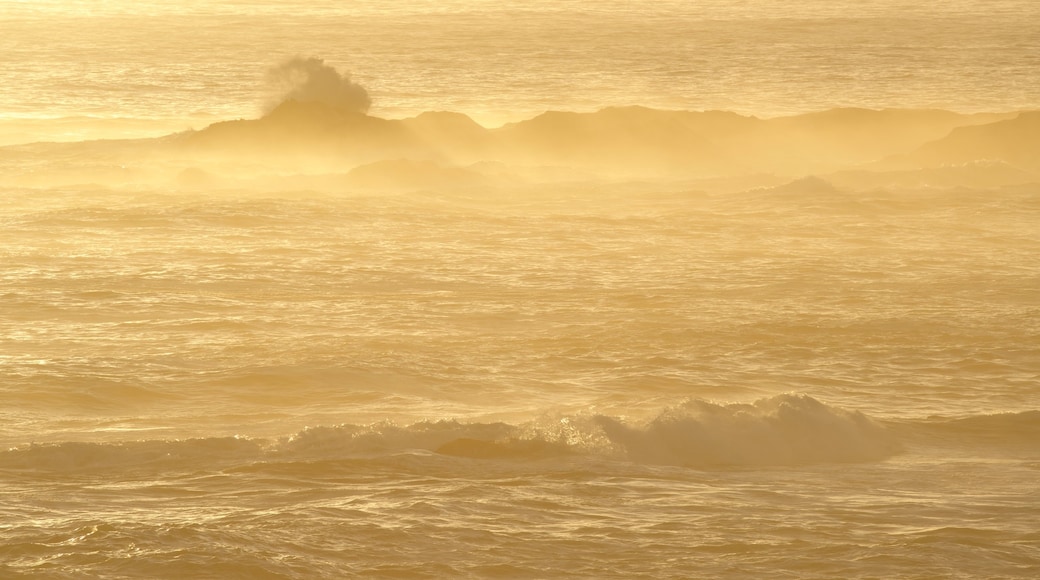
point(782, 430)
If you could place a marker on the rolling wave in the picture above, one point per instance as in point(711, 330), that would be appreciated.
point(785, 430)
point(782, 430)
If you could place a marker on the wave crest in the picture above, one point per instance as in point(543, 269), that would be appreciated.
point(782, 430)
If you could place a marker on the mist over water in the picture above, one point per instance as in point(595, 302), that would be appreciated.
point(337, 302)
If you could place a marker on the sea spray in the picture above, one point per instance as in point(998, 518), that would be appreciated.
point(782, 430)
point(310, 80)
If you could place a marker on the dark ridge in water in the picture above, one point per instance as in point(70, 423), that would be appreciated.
point(619, 140)
point(996, 435)
point(1022, 426)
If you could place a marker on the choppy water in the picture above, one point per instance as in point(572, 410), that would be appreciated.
point(518, 384)
point(576, 378)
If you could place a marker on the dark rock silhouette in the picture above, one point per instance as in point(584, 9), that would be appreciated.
point(1015, 141)
point(721, 151)
point(619, 141)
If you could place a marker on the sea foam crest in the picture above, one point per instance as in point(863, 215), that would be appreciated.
point(782, 430)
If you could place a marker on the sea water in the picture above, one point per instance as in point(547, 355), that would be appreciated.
point(656, 384)
point(149, 68)
point(575, 379)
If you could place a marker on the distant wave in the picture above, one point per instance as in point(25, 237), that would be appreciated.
point(782, 430)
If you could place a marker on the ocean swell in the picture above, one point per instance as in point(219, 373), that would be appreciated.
point(782, 430)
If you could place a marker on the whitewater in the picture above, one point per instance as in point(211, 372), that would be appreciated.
point(303, 333)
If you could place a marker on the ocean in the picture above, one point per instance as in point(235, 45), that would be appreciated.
point(118, 68)
point(627, 339)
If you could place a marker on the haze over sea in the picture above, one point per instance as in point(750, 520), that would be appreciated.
point(519, 289)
